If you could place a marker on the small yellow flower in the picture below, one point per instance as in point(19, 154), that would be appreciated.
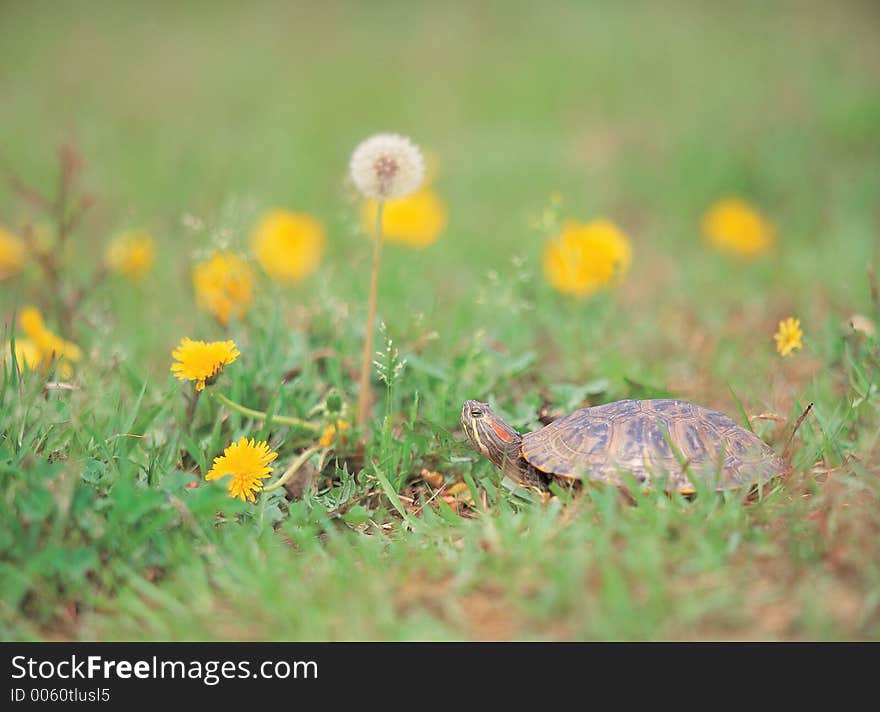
point(735, 227)
point(247, 462)
point(131, 254)
point(328, 437)
point(416, 220)
point(288, 245)
point(200, 361)
point(224, 285)
point(587, 257)
point(13, 254)
point(788, 336)
point(46, 343)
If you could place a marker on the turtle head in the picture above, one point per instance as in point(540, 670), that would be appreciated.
point(489, 435)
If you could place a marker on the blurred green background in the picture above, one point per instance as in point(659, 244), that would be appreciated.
point(641, 111)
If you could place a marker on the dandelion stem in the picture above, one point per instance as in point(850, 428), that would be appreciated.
point(262, 415)
point(294, 467)
point(366, 358)
point(192, 402)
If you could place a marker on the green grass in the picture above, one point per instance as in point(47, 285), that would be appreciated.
point(642, 112)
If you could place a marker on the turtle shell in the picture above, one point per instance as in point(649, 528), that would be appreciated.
point(669, 441)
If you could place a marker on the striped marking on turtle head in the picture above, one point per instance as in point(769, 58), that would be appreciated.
point(501, 432)
point(489, 434)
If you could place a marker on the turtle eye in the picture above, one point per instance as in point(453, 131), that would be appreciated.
point(476, 413)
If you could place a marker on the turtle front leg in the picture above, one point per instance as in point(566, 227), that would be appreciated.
point(527, 475)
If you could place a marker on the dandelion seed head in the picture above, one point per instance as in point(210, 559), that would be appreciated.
point(387, 166)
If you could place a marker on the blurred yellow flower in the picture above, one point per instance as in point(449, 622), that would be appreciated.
point(224, 285)
point(43, 347)
point(27, 354)
point(587, 257)
point(131, 254)
point(247, 462)
point(200, 361)
point(288, 245)
point(788, 337)
point(328, 437)
point(735, 227)
point(416, 220)
point(13, 253)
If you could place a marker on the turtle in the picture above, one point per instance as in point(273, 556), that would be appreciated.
point(675, 443)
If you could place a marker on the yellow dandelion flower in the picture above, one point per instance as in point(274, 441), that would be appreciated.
point(247, 462)
point(288, 245)
point(49, 345)
point(131, 254)
point(13, 254)
point(224, 286)
point(587, 257)
point(735, 227)
point(328, 437)
point(200, 361)
point(416, 220)
point(31, 321)
point(27, 354)
point(788, 336)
